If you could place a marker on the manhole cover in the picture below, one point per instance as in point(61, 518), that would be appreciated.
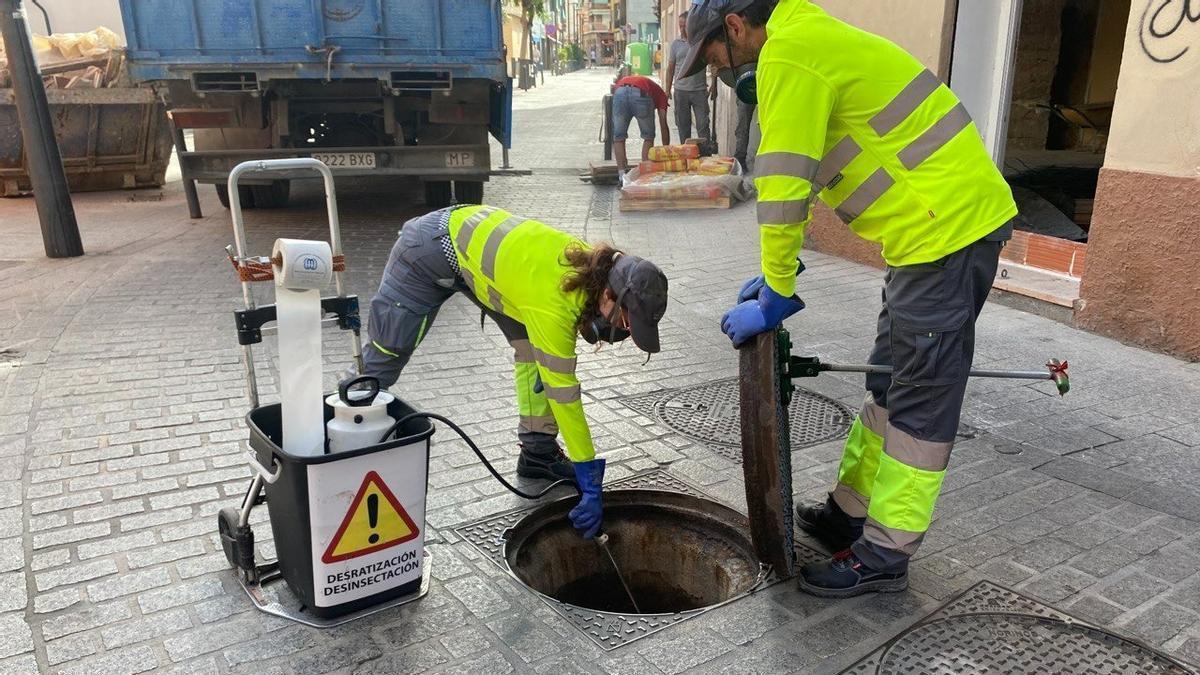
point(711, 413)
point(990, 629)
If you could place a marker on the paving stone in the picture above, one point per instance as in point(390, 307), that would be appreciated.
point(829, 637)
point(527, 638)
point(70, 648)
point(1042, 554)
point(465, 642)
point(747, 619)
point(409, 661)
point(1104, 560)
point(12, 592)
point(15, 637)
point(1132, 590)
point(84, 619)
point(1161, 622)
point(1092, 608)
point(322, 660)
point(279, 647)
point(687, 649)
point(73, 574)
point(177, 594)
point(208, 639)
point(146, 628)
point(46, 603)
point(1172, 563)
point(119, 544)
point(133, 660)
point(1058, 584)
point(479, 597)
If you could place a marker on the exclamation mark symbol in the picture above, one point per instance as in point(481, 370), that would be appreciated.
point(373, 516)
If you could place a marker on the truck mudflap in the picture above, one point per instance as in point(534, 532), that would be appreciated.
point(500, 123)
point(445, 162)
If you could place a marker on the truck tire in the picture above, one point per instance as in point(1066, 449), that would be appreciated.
point(468, 191)
point(437, 194)
point(273, 196)
point(245, 196)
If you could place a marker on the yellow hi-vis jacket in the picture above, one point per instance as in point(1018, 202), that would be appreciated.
point(858, 121)
point(516, 267)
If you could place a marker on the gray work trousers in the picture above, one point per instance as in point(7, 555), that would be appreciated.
point(745, 115)
point(416, 282)
point(926, 331)
point(688, 103)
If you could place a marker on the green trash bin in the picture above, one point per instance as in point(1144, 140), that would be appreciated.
point(640, 58)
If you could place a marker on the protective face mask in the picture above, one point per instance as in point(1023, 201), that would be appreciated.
point(739, 78)
point(603, 329)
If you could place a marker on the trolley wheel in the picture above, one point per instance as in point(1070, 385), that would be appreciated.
point(227, 524)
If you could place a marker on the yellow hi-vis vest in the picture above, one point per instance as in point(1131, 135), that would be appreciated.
point(858, 121)
point(516, 267)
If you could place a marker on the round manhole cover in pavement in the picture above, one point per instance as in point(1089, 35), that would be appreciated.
point(711, 412)
point(1017, 643)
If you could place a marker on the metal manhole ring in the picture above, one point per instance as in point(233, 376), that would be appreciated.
point(711, 413)
point(1017, 643)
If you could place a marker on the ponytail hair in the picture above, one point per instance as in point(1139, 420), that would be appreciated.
point(589, 273)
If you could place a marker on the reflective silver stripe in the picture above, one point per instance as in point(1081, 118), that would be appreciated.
point(468, 228)
point(492, 245)
point(562, 394)
point(906, 102)
point(935, 137)
point(914, 452)
point(555, 364)
point(786, 164)
point(836, 161)
point(539, 424)
point(891, 538)
point(469, 279)
point(866, 195)
point(522, 351)
point(874, 417)
point(854, 504)
point(495, 300)
point(783, 213)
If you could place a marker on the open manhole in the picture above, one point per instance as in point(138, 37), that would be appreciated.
point(676, 552)
point(711, 413)
point(990, 629)
point(724, 576)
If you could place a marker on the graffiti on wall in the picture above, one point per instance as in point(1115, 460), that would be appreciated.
point(1168, 28)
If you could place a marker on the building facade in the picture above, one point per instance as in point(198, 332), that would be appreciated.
point(1089, 107)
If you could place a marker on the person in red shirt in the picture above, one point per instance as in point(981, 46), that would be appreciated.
point(638, 97)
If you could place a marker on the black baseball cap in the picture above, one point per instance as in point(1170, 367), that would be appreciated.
point(704, 19)
point(641, 288)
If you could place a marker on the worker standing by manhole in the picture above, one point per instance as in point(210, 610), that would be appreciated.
point(853, 118)
point(542, 287)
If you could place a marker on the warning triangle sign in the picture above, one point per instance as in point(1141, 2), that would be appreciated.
point(376, 520)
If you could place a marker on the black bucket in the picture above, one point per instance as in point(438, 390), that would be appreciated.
point(349, 527)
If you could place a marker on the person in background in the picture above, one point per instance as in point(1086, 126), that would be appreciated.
point(691, 92)
point(745, 117)
point(637, 96)
point(593, 55)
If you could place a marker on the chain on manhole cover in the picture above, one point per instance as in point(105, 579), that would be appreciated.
point(993, 630)
point(711, 413)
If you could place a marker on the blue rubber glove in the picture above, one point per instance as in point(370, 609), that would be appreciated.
point(587, 515)
point(751, 288)
point(758, 316)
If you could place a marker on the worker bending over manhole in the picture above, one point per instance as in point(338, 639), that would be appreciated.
point(542, 287)
point(854, 119)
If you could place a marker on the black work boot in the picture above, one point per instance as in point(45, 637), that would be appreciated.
point(845, 576)
point(544, 462)
point(829, 524)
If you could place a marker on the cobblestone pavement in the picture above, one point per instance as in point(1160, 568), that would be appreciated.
point(121, 435)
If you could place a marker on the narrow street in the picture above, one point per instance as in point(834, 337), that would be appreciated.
point(122, 433)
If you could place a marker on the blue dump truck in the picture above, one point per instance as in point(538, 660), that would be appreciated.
point(370, 87)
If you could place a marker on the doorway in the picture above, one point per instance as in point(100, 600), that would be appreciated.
point(1040, 77)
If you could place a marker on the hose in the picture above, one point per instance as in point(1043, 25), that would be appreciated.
point(478, 453)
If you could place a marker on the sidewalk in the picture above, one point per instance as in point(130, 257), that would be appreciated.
point(121, 435)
